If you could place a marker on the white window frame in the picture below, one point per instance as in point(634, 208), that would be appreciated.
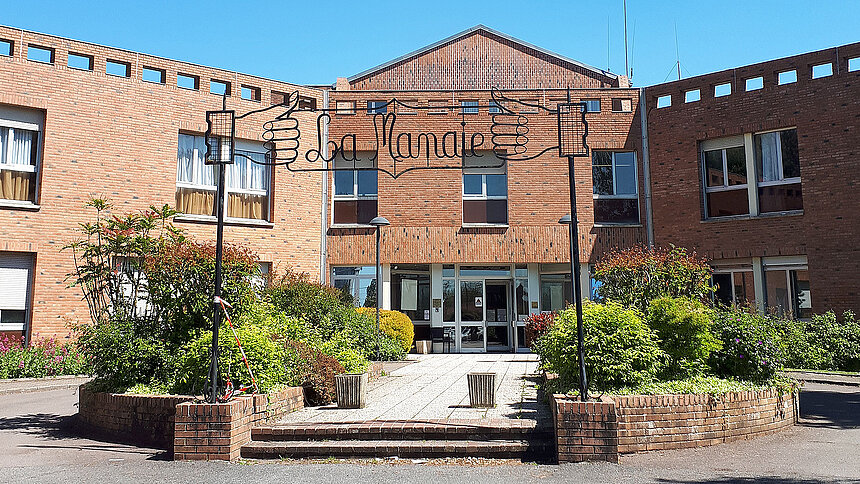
point(731, 272)
point(469, 107)
point(722, 145)
point(355, 278)
point(377, 105)
point(483, 172)
point(781, 181)
point(199, 164)
point(354, 196)
point(11, 125)
point(596, 196)
point(784, 265)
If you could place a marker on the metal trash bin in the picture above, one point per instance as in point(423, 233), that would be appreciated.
point(482, 389)
point(351, 390)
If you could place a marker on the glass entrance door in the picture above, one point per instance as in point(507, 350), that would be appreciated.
point(471, 325)
point(498, 316)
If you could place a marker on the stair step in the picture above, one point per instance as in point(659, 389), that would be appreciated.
point(442, 429)
point(400, 448)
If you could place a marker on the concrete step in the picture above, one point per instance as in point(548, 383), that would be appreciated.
point(502, 449)
point(438, 429)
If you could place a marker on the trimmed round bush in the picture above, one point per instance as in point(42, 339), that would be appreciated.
point(620, 349)
point(394, 324)
point(683, 327)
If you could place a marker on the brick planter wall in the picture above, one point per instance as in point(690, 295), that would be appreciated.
point(147, 419)
point(218, 431)
point(636, 423)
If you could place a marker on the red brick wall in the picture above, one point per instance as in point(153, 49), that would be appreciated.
point(147, 419)
point(825, 112)
point(425, 206)
point(638, 423)
point(207, 431)
point(482, 60)
point(663, 422)
point(117, 137)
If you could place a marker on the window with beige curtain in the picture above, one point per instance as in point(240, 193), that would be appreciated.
point(18, 160)
point(247, 183)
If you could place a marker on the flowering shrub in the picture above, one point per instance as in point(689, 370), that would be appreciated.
point(43, 357)
point(536, 326)
point(395, 324)
point(752, 348)
point(634, 277)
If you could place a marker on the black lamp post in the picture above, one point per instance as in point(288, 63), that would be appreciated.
point(378, 222)
point(576, 287)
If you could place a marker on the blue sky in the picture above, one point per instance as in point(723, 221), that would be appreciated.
point(315, 42)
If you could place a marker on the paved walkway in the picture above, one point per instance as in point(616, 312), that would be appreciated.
point(434, 387)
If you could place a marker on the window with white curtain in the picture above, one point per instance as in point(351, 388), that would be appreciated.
point(778, 170)
point(19, 153)
point(247, 184)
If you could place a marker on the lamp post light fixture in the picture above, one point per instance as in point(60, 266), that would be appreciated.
point(576, 291)
point(378, 222)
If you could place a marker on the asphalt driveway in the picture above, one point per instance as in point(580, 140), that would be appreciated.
point(38, 443)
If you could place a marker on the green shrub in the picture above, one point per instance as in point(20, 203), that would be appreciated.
point(636, 276)
point(823, 343)
point(751, 345)
point(314, 370)
point(395, 324)
point(683, 327)
point(324, 307)
point(620, 349)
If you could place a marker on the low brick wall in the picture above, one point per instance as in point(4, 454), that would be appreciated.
point(146, 419)
point(207, 431)
point(660, 422)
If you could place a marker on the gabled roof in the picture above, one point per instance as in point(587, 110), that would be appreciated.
point(466, 33)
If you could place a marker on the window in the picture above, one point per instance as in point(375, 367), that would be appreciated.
point(410, 291)
point(592, 105)
point(280, 98)
point(725, 178)
point(247, 184)
point(40, 54)
point(220, 88)
point(117, 68)
point(555, 287)
point(19, 153)
point(692, 96)
point(344, 107)
point(624, 105)
point(734, 286)
point(787, 290)
point(355, 190)
point(16, 271)
point(187, 81)
point(250, 93)
point(151, 74)
point(495, 107)
point(822, 70)
point(616, 198)
point(778, 170)
point(358, 282)
point(6, 47)
point(664, 101)
point(485, 192)
point(754, 83)
point(449, 297)
point(306, 102)
point(377, 107)
point(787, 77)
point(469, 107)
point(437, 106)
point(853, 63)
point(724, 89)
point(80, 61)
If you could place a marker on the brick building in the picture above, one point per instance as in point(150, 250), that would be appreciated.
point(471, 250)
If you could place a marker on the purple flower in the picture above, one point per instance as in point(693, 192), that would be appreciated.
point(741, 356)
point(737, 340)
point(759, 342)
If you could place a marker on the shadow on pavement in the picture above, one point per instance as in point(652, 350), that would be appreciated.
point(829, 409)
point(57, 428)
point(760, 480)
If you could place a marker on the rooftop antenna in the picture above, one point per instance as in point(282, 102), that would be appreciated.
point(626, 66)
point(608, 43)
point(677, 52)
point(632, 49)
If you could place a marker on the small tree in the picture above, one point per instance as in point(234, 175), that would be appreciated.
point(636, 276)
